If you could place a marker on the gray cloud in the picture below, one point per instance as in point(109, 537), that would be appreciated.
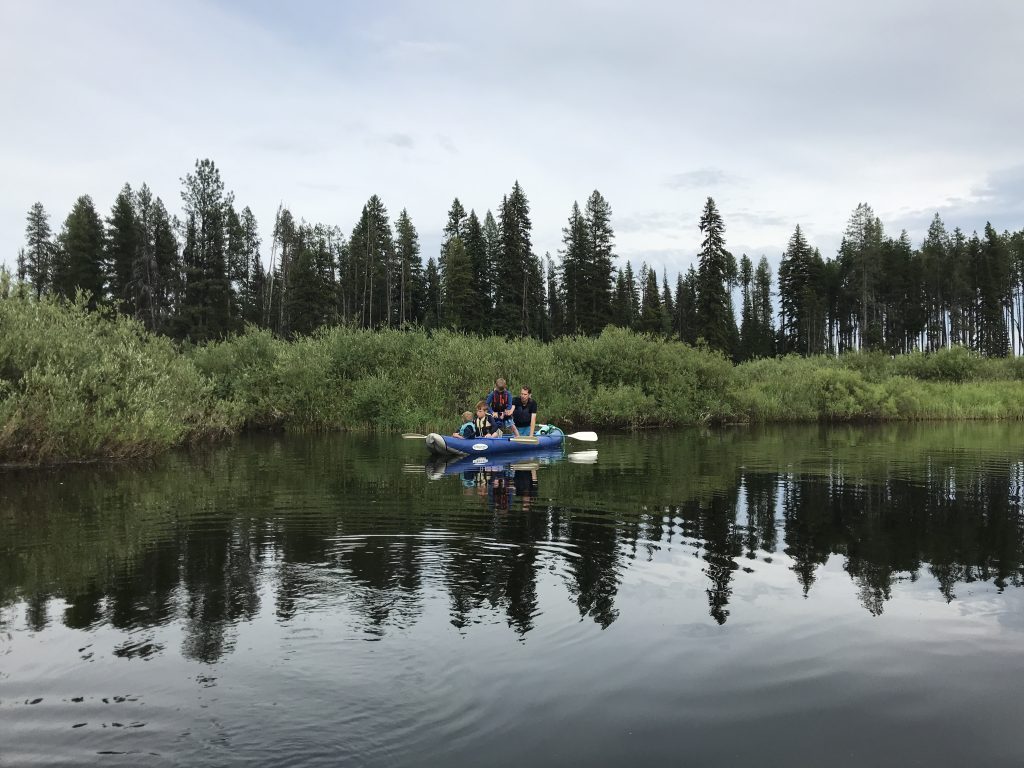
point(645, 221)
point(447, 144)
point(702, 178)
point(287, 145)
point(998, 199)
point(760, 218)
point(403, 140)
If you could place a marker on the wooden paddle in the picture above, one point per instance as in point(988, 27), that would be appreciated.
point(411, 436)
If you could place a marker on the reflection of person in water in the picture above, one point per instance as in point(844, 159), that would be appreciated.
point(500, 496)
point(525, 481)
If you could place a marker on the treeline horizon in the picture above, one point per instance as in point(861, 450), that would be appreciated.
point(203, 277)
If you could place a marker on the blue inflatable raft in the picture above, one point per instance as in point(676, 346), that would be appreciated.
point(446, 445)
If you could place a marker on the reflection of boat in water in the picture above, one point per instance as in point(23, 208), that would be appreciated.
point(439, 466)
point(446, 445)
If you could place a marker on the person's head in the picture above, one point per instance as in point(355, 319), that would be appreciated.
point(467, 416)
point(481, 408)
point(524, 394)
point(500, 384)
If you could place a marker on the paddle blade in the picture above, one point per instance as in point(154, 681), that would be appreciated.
point(527, 440)
point(586, 437)
point(411, 436)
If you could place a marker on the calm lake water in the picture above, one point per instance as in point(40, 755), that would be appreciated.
point(808, 596)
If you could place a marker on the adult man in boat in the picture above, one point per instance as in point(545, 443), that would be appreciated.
point(499, 404)
point(524, 413)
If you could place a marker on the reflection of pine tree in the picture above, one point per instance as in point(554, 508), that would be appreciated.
point(760, 493)
point(84, 609)
point(142, 592)
point(722, 543)
point(387, 582)
point(37, 611)
point(594, 579)
point(221, 568)
point(806, 512)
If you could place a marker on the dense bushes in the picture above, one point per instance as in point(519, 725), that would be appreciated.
point(344, 377)
point(951, 384)
point(76, 384)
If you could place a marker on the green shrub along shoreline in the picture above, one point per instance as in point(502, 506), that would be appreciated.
point(80, 385)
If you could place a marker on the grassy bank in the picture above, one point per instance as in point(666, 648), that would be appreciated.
point(76, 385)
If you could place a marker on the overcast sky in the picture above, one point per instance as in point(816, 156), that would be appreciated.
point(786, 112)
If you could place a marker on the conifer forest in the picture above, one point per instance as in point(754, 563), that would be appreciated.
point(210, 271)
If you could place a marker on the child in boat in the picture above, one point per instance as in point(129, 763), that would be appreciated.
point(467, 430)
point(485, 426)
point(499, 405)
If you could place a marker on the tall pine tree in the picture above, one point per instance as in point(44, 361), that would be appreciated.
point(412, 297)
point(650, 303)
point(206, 310)
point(595, 307)
point(686, 306)
point(575, 255)
point(372, 273)
point(458, 294)
point(716, 322)
point(124, 242)
point(478, 313)
point(519, 303)
point(79, 263)
point(761, 304)
point(556, 312)
point(40, 250)
point(801, 295)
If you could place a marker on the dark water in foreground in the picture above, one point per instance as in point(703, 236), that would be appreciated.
point(780, 597)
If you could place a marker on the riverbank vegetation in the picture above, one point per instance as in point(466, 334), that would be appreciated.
point(78, 383)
